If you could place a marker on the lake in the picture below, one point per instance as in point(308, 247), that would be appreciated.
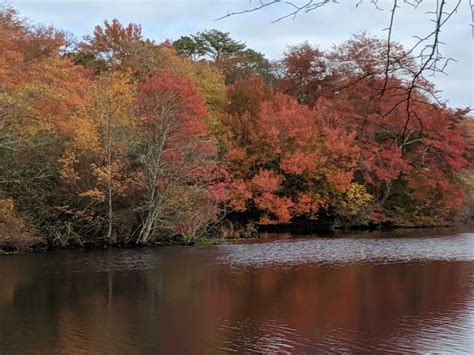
point(401, 291)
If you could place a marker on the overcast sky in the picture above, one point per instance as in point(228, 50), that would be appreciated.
point(325, 27)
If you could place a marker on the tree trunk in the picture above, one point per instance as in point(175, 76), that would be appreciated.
point(111, 214)
point(148, 225)
point(109, 185)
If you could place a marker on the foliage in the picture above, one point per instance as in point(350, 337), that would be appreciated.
point(118, 47)
point(306, 74)
point(246, 63)
point(13, 230)
point(288, 162)
point(177, 161)
point(212, 43)
point(119, 139)
point(232, 57)
point(209, 80)
point(95, 164)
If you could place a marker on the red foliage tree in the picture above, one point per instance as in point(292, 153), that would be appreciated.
point(290, 162)
point(307, 74)
point(178, 162)
point(409, 161)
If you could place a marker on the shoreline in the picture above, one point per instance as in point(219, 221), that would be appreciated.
point(203, 241)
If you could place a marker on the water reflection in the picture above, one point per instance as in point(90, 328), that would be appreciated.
point(220, 299)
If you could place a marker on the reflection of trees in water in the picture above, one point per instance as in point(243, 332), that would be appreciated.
point(366, 300)
point(188, 303)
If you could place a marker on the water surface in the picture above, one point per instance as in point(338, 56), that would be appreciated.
point(407, 291)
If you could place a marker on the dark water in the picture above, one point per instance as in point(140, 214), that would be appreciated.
point(365, 293)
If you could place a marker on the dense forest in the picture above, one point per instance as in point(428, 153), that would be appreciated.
point(117, 139)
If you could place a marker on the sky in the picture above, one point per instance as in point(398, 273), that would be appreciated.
point(325, 27)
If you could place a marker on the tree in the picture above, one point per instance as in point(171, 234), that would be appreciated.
point(95, 163)
point(189, 47)
point(285, 160)
point(40, 92)
point(212, 43)
point(118, 47)
point(232, 57)
point(410, 169)
point(244, 64)
point(307, 74)
point(177, 161)
point(209, 80)
point(152, 144)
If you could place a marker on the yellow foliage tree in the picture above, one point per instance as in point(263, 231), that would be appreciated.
point(352, 206)
point(102, 135)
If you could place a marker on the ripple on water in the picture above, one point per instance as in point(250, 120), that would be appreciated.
point(246, 335)
point(102, 261)
point(458, 247)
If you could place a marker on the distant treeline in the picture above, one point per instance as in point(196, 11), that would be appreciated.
point(120, 139)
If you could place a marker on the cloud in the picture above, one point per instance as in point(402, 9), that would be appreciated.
point(329, 25)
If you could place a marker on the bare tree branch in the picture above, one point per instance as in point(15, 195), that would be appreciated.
point(426, 51)
point(389, 44)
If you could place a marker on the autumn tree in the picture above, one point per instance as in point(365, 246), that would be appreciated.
point(177, 162)
point(208, 78)
point(39, 93)
point(307, 74)
point(404, 162)
point(286, 161)
point(95, 164)
point(114, 46)
point(246, 63)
